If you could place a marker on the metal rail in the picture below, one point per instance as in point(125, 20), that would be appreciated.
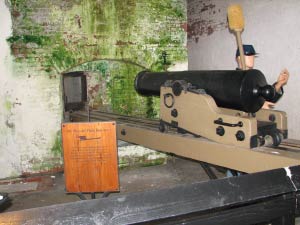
point(104, 116)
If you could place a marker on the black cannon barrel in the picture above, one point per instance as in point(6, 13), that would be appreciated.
point(244, 90)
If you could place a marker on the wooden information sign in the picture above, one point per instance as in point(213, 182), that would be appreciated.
point(90, 157)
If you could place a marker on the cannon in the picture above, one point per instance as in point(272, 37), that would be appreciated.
point(222, 106)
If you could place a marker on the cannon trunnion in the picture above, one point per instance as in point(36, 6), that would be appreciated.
point(223, 106)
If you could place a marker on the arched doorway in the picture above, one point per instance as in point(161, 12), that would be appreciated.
point(109, 86)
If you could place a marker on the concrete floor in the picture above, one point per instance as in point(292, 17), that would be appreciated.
point(51, 189)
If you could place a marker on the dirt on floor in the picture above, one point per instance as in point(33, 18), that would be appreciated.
point(50, 189)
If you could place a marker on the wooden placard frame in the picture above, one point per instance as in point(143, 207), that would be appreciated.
point(90, 157)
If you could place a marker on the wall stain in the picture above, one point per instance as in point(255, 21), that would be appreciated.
point(9, 124)
point(210, 30)
point(8, 105)
point(200, 20)
point(78, 20)
point(207, 7)
point(184, 26)
point(94, 89)
point(119, 42)
point(204, 27)
point(57, 146)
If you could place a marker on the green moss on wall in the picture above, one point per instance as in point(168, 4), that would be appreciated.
point(103, 68)
point(169, 8)
point(151, 112)
point(92, 30)
point(108, 29)
point(57, 146)
point(63, 58)
point(8, 105)
point(119, 78)
point(50, 37)
point(45, 164)
point(141, 161)
point(39, 40)
point(17, 3)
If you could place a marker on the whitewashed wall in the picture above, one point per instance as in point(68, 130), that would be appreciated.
point(272, 26)
point(30, 114)
point(8, 145)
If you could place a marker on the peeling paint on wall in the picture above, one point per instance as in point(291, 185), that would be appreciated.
point(203, 19)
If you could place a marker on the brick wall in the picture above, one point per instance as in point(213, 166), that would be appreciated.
point(51, 37)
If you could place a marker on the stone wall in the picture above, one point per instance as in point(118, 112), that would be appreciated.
point(47, 38)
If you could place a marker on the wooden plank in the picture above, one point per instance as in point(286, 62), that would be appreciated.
point(90, 157)
point(241, 200)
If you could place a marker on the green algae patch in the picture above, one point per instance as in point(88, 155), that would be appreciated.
point(57, 146)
